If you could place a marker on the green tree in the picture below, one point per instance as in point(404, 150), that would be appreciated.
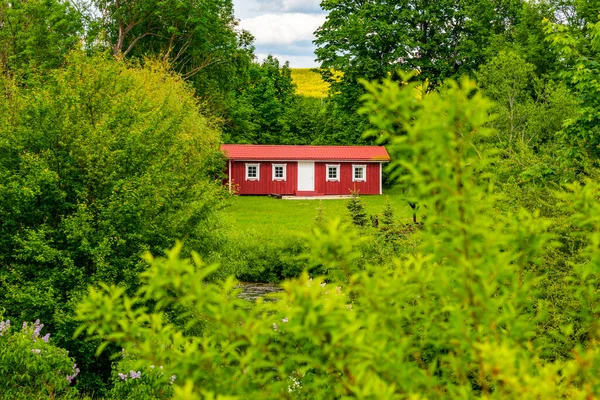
point(36, 35)
point(581, 55)
point(388, 216)
point(98, 164)
point(370, 40)
point(357, 211)
point(200, 40)
point(373, 40)
point(257, 115)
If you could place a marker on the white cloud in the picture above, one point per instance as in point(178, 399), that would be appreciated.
point(304, 6)
point(283, 28)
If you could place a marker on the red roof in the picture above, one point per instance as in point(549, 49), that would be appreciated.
point(291, 153)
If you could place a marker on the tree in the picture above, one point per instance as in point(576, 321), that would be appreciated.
point(356, 208)
point(581, 56)
point(505, 79)
point(36, 35)
point(260, 105)
point(199, 39)
point(371, 40)
point(98, 164)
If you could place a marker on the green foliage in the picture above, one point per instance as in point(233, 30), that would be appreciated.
point(581, 55)
point(36, 35)
point(357, 211)
point(527, 110)
point(200, 40)
point(461, 318)
point(388, 217)
point(130, 380)
point(32, 366)
point(257, 259)
point(98, 164)
point(372, 40)
point(335, 251)
point(320, 219)
point(260, 104)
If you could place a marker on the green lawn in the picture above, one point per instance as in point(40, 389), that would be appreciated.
point(271, 218)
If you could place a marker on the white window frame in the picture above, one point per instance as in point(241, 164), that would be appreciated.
point(337, 169)
point(364, 169)
point(257, 165)
point(284, 166)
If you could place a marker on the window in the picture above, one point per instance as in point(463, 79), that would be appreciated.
point(359, 173)
point(252, 172)
point(333, 172)
point(279, 172)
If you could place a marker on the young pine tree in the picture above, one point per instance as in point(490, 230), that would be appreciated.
point(321, 219)
point(357, 210)
point(387, 215)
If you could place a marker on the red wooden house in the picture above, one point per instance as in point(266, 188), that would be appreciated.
point(304, 170)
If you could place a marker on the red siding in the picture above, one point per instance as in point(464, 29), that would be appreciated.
point(345, 185)
point(265, 185)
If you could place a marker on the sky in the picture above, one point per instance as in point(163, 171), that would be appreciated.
point(283, 28)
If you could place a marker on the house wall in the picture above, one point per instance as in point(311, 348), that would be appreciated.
point(345, 185)
point(265, 185)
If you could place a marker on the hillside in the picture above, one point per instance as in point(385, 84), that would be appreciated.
point(309, 83)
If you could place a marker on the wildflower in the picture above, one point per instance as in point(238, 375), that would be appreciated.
point(37, 328)
point(295, 384)
point(123, 376)
point(275, 327)
point(36, 351)
point(46, 337)
point(135, 375)
point(323, 284)
point(75, 373)
point(172, 379)
point(285, 320)
point(309, 281)
point(24, 325)
point(152, 367)
point(4, 326)
point(338, 289)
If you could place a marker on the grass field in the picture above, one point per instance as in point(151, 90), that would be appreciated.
point(271, 219)
point(309, 83)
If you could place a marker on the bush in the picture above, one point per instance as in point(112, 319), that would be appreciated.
point(261, 260)
point(137, 381)
point(461, 318)
point(98, 164)
point(32, 367)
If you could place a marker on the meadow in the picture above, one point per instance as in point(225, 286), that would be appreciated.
point(273, 218)
point(268, 238)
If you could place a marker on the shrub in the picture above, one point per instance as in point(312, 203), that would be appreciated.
point(32, 367)
point(98, 164)
point(459, 319)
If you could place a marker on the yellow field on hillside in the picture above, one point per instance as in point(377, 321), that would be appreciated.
point(309, 83)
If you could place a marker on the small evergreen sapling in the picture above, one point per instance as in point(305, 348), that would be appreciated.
point(357, 210)
point(388, 217)
point(321, 219)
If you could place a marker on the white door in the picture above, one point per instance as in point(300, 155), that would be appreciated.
point(306, 176)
